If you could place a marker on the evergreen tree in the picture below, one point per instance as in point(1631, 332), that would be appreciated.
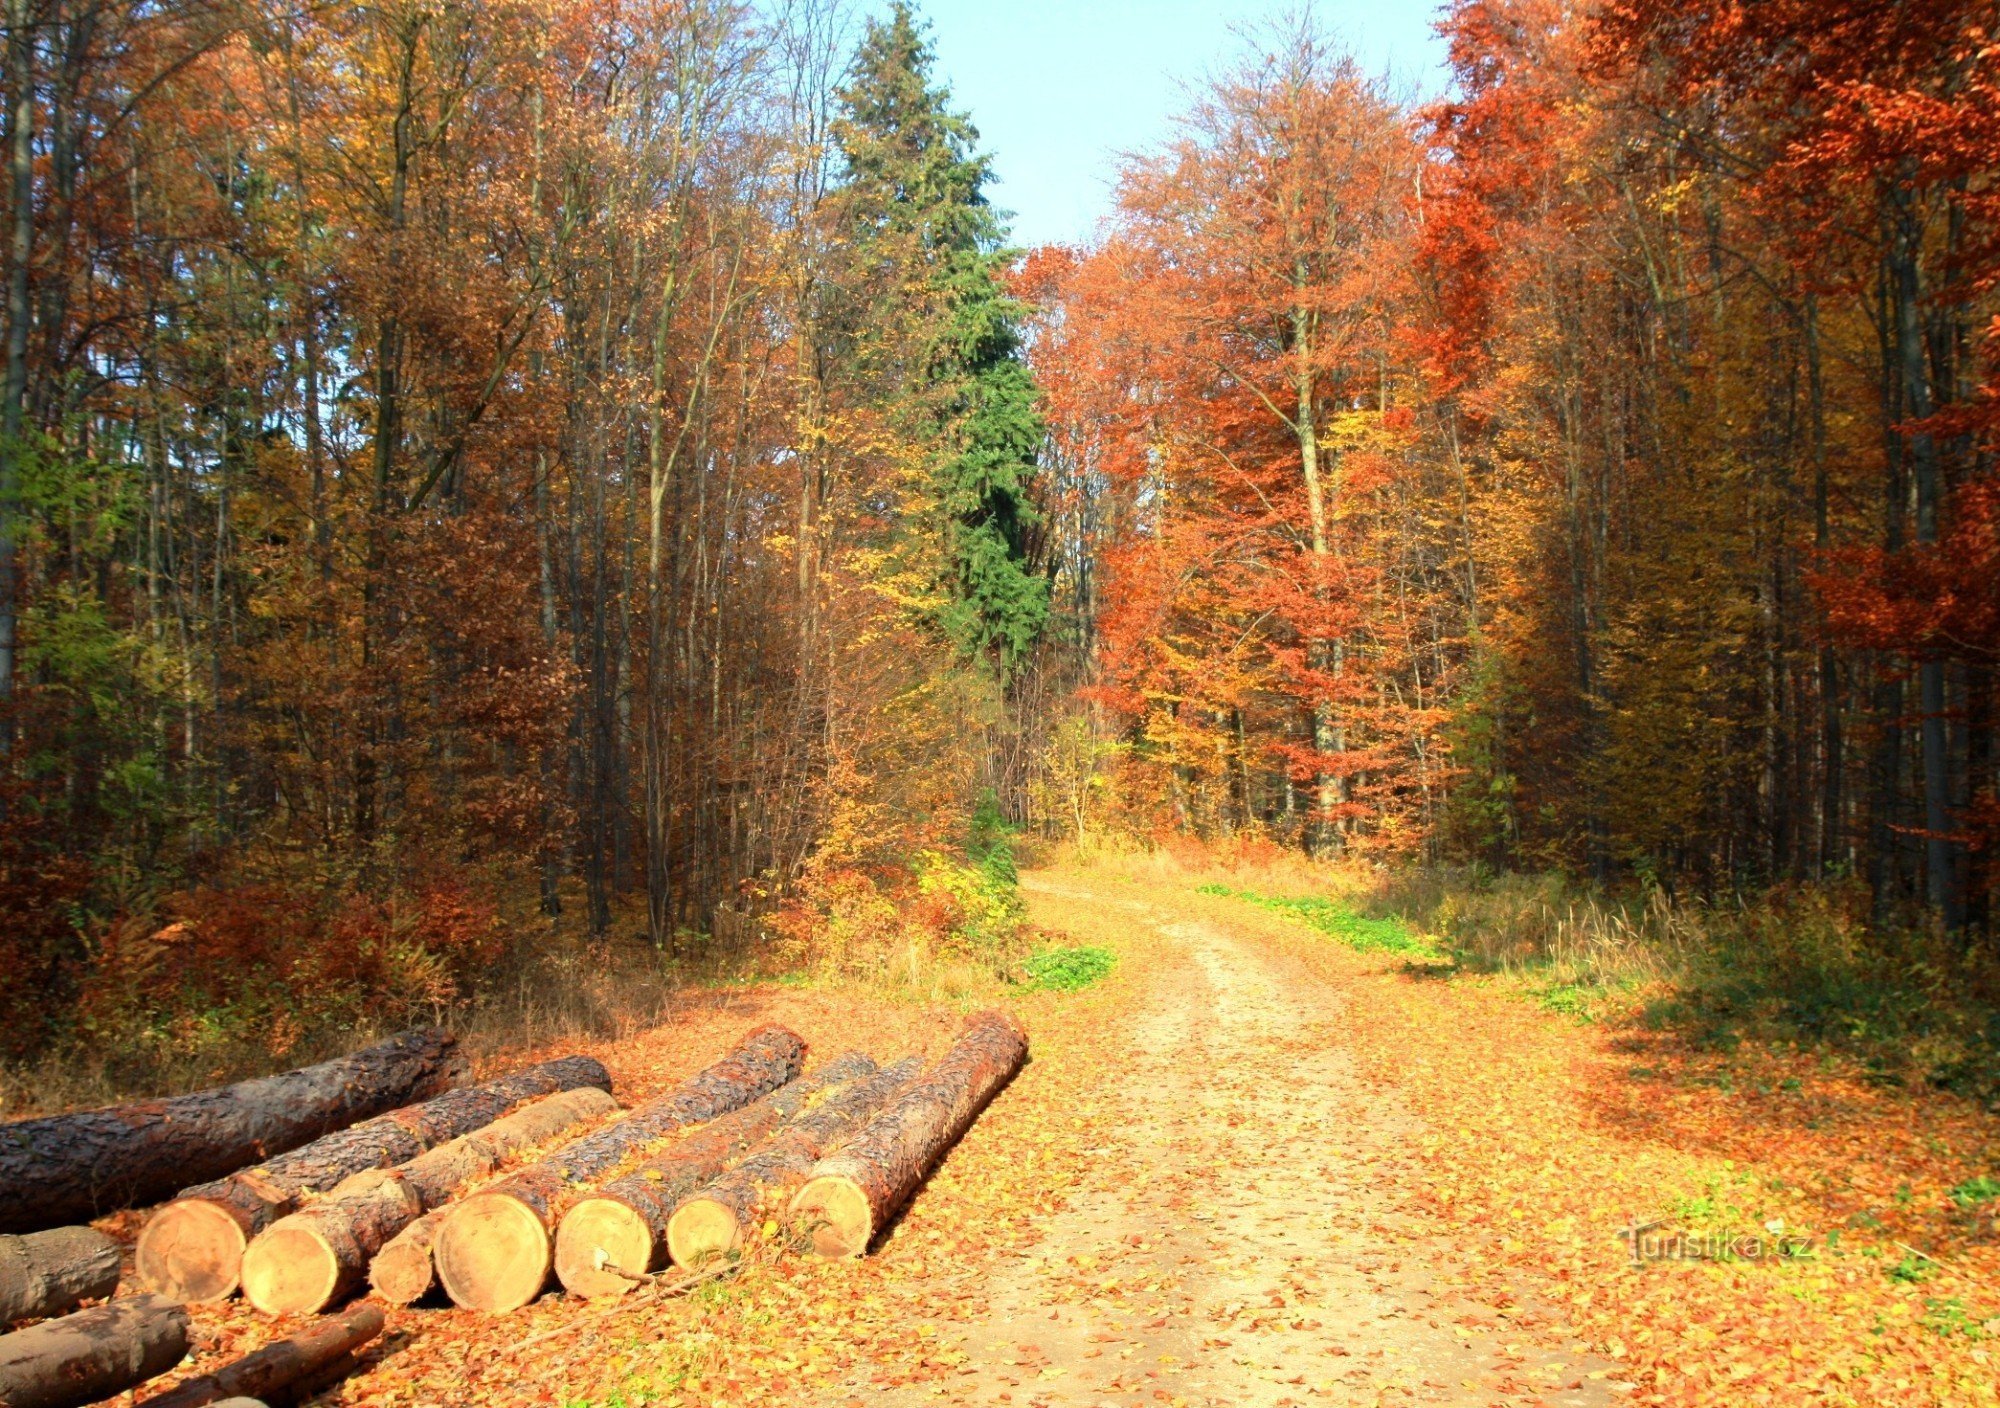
point(942, 337)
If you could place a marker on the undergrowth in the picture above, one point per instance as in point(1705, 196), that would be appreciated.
point(1800, 966)
point(1363, 933)
point(1067, 969)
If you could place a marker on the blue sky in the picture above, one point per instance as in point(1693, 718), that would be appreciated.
point(1058, 88)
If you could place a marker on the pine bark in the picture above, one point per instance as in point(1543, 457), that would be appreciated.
point(192, 1249)
point(611, 1239)
point(279, 1365)
point(712, 1221)
point(853, 1194)
point(46, 1273)
point(316, 1257)
point(69, 1168)
point(494, 1251)
point(93, 1354)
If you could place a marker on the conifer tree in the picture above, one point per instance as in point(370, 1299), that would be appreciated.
point(939, 339)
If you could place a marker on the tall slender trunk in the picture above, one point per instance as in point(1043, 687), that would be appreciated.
point(1324, 655)
point(20, 249)
point(1832, 831)
point(1906, 287)
point(388, 435)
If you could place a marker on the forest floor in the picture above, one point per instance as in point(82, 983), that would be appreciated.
point(1257, 1166)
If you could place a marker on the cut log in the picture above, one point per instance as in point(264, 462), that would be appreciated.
point(92, 1354)
point(280, 1365)
point(69, 1168)
point(192, 1249)
point(46, 1273)
point(713, 1221)
point(403, 1272)
point(493, 1251)
point(854, 1193)
point(610, 1240)
point(316, 1257)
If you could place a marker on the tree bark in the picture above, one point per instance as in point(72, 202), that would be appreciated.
point(46, 1273)
point(278, 1365)
point(192, 1249)
point(852, 1195)
point(711, 1222)
point(63, 1168)
point(610, 1240)
point(494, 1251)
point(93, 1354)
point(14, 395)
point(304, 1263)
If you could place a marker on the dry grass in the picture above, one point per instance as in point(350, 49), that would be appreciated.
point(554, 990)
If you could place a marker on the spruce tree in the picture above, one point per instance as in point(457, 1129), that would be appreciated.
point(940, 337)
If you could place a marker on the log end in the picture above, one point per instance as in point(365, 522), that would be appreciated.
point(191, 1251)
point(700, 1229)
point(492, 1254)
point(292, 1270)
point(834, 1213)
point(602, 1249)
point(401, 1272)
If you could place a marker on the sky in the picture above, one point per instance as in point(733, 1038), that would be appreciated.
point(1059, 88)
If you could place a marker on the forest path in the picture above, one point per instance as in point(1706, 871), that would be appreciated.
point(1243, 1235)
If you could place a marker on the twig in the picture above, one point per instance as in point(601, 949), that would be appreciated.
point(1940, 1261)
point(662, 1290)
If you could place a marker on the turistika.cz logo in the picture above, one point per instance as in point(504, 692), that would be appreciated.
point(1647, 1243)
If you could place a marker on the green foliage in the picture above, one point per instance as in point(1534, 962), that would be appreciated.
point(982, 910)
point(1947, 1318)
point(1067, 969)
point(944, 339)
point(1357, 931)
point(1912, 1270)
point(1974, 1191)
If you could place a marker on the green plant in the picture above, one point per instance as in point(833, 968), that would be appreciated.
point(1067, 969)
point(1947, 1318)
point(1974, 1191)
point(1386, 934)
point(1912, 1269)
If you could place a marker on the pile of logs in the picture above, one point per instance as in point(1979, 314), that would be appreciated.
point(381, 1169)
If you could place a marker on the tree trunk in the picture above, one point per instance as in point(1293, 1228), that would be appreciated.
point(609, 1241)
point(93, 1354)
point(404, 1271)
point(1906, 287)
point(494, 1251)
point(63, 1168)
point(711, 1223)
point(192, 1249)
point(306, 1262)
point(282, 1364)
point(46, 1273)
point(13, 398)
point(852, 1195)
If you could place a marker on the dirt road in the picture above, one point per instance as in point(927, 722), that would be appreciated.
point(1242, 1235)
